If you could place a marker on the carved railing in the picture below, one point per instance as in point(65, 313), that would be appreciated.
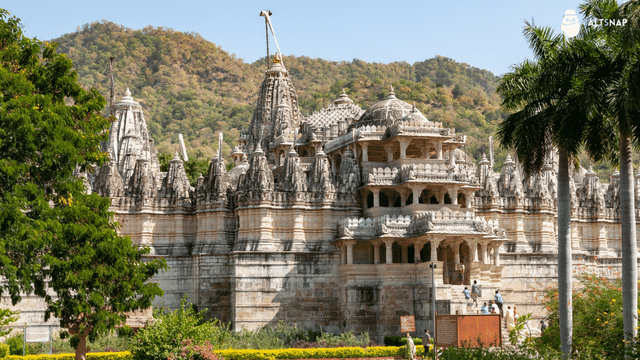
point(417, 128)
point(402, 226)
point(340, 141)
point(457, 139)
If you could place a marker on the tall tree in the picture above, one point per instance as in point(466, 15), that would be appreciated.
point(549, 100)
point(623, 96)
point(53, 236)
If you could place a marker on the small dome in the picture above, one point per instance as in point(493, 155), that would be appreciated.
point(415, 116)
point(385, 112)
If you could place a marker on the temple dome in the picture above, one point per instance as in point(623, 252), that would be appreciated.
point(385, 112)
point(415, 116)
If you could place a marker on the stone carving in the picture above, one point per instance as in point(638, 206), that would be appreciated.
point(108, 182)
point(292, 178)
point(142, 183)
point(319, 182)
point(175, 185)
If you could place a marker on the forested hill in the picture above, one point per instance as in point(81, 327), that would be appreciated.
point(189, 85)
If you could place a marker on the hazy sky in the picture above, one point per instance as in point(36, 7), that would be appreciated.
point(484, 34)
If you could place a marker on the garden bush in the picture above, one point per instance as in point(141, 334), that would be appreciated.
point(597, 318)
point(166, 335)
point(4, 350)
point(124, 355)
point(400, 340)
point(317, 353)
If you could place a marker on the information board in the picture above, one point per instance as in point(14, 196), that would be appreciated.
point(38, 334)
point(446, 331)
point(407, 323)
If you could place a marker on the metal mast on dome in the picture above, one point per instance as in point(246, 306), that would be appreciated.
point(267, 21)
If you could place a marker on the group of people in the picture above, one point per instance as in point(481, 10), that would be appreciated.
point(495, 305)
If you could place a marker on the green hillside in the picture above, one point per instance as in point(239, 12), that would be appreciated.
point(189, 85)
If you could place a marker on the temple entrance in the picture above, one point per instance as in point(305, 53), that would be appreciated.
point(452, 253)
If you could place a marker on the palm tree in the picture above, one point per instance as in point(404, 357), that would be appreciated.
point(550, 101)
point(624, 99)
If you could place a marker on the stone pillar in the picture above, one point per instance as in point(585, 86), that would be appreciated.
point(451, 156)
point(349, 244)
point(483, 252)
point(365, 152)
point(473, 246)
point(405, 253)
point(468, 198)
point(456, 255)
point(376, 251)
point(496, 254)
point(441, 197)
point(389, 244)
point(416, 194)
point(376, 197)
point(403, 198)
point(404, 144)
point(417, 247)
point(389, 149)
point(344, 255)
point(434, 249)
point(439, 150)
point(453, 194)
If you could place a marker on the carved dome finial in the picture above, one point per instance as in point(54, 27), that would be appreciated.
point(391, 94)
point(508, 161)
point(343, 99)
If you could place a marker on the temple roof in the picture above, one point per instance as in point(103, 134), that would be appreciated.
point(385, 112)
point(342, 108)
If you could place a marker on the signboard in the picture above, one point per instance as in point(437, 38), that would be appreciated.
point(407, 323)
point(468, 330)
point(38, 334)
point(446, 331)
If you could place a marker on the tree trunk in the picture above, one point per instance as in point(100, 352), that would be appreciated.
point(629, 246)
point(81, 350)
point(564, 255)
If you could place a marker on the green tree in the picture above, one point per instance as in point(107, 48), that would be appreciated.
point(552, 105)
point(53, 236)
point(7, 316)
point(623, 96)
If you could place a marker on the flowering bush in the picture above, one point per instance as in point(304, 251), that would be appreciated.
point(597, 317)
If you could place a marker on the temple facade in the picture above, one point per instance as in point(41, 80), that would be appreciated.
point(333, 219)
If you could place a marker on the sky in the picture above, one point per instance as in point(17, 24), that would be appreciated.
point(483, 34)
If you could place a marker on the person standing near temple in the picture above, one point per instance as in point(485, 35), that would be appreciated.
point(475, 292)
point(498, 300)
point(461, 269)
point(426, 341)
point(484, 309)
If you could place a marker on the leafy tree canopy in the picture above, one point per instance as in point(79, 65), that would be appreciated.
point(53, 236)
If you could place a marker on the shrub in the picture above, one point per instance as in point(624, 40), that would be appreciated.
point(316, 353)
point(15, 343)
point(277, 337)
point(125, 355)
point(400, 340)
point(4, 350)
point(597, 318)
point(166, 335)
